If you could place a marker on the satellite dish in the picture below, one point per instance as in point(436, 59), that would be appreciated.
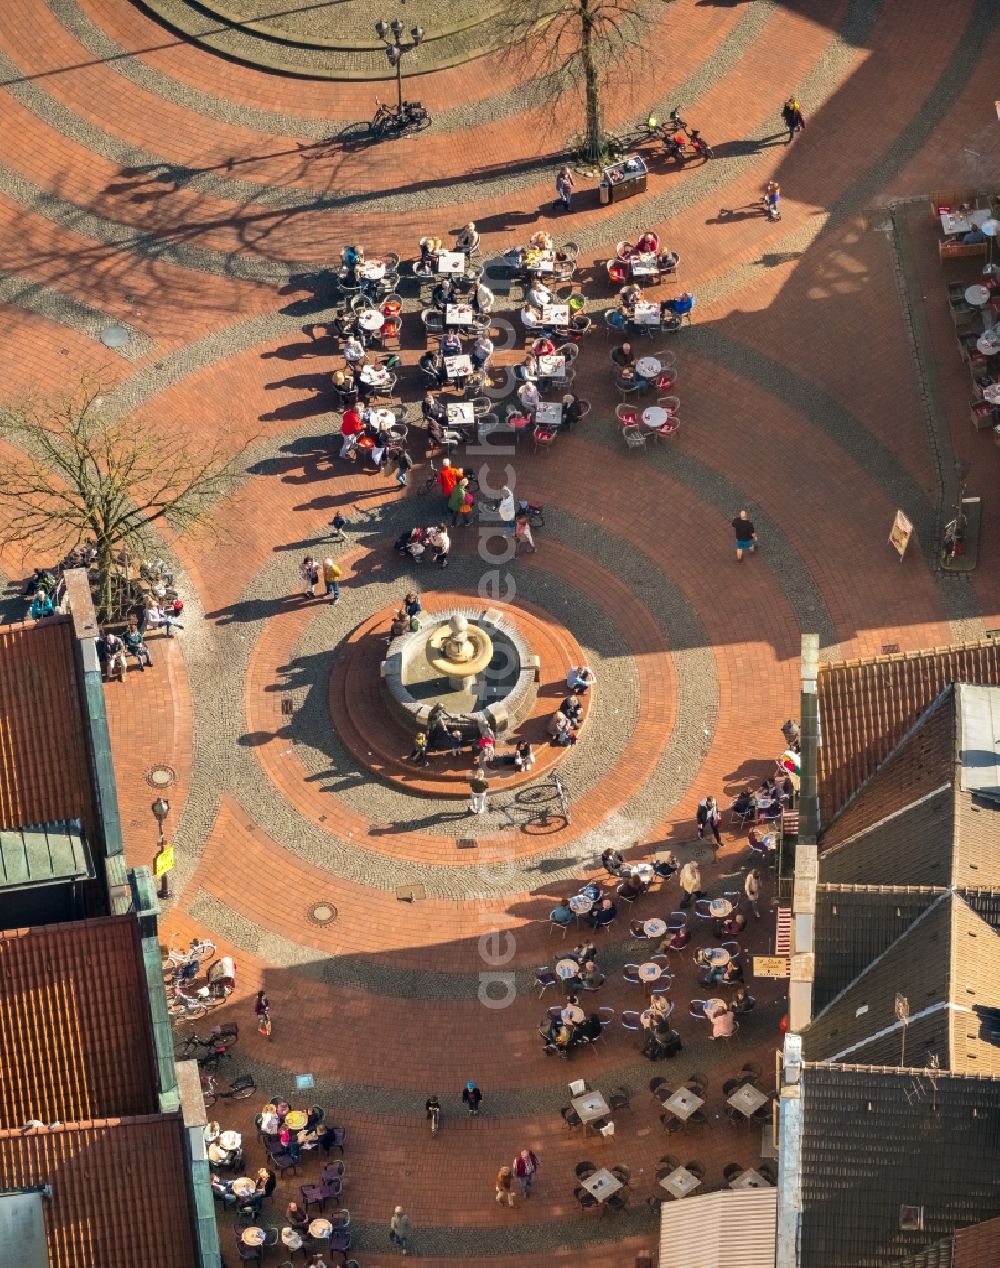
point(990, 228)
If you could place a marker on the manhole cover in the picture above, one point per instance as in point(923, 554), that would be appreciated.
point(161, 776)
point(114, 336)
point(322, 913)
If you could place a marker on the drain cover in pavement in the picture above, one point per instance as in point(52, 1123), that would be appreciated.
point(160, 776)
point(322, 913)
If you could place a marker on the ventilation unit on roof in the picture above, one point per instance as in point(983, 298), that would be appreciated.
point(911, 1219)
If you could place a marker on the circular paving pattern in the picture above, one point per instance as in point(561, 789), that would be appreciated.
point(195, 202)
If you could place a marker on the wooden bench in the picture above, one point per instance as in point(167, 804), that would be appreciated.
point(960, 250)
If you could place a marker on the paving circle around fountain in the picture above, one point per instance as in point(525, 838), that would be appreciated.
point(363, 715)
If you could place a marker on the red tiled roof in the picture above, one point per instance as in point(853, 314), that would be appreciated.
point(977, 1245)
point(74, 1021)
point(866, 707)
point(119, 1191)
point(44, 767)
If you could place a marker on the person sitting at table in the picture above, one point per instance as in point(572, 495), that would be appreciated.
point(591, 977)
point(427, 261)
point(743, 802)
point(665, 866)
point(450, 344)
point(723, 1022)
point(603, 914)
point(674, 309)
point(481, 351)
point(443, 294)
point(676, 941)
point(667, 262)
point(266, 1181)
point(351, 258)
point(432, 368)
point(611, 860)
point(974, 235)
point(540, 241)
point(583, 952)
point(543, 347)
point(295, 1217)
point(433, 409)
point(629, 296)
point(562, 913)
point(713, 972)
point(573, 410)
point(538, 295)
point(354, 351)
point(580, 679)
point(443, 436)
point(648, 243)
point(468, 239)
point(590, 1028)
point(623, 355)
point(223, 1189)
point(734, 926)
point(529, 397)
point(732, 974)
point(742, 1001)
point(660, 1008)
point(632, 887)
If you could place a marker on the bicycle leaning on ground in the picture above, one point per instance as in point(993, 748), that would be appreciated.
point(411, 116)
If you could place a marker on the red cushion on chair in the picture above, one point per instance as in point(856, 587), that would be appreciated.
point(629, 416)
point(618, 273)
point(666, 380)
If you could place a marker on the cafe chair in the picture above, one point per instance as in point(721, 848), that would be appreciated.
point(570, 1117)
point(697, 1008)
point(627, 415)
point(618, 1201)
point(614, 320)
point(734, 949)
point(631, 1020)
point(622, 1173)
point(313, 1195)
point(544, 978)
point(569, 249)
point(284, 1162)
point(554, 1013)
point(768, 1172)
point(585, 410)
point(250, 1254)
point(389, 335)
point(672, 403)
point(577, 1087)
point(605, 1128)
point(543, 438)
point(620, 1098)
point(696, 1169)
point(730, 1086)
point(750, 1072)
point(633, 437)
point(656, 1083)
point(731, 1170)
point(668, 431)
point(581, 325)
point(631, 974)
point(587, 1200)
point(671, 1123)
point(338, 1240)
point(606, 1016)
point(665, 1166)
point(637, 931)
point(584, 1169)
point(702, 909)
point(665, 380)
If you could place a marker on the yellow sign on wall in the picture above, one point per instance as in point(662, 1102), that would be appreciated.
point(164, 861)
point(770, 966)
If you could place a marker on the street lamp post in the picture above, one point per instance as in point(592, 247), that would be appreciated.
point(160, 809)
point(395, 49)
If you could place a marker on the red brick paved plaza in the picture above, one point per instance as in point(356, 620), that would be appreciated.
point(145, 180)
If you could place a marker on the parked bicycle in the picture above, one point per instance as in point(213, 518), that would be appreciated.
point(176, 961)
point(181, 1005)
point(240, 1089)
point(433, 1113)
point(435, 471)
point(210, 1049)
point(394, 120)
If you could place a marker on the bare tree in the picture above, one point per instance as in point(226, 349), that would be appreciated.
point(569, 43)
point(79, 478)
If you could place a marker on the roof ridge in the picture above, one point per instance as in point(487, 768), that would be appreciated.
point(842, 887)
point(88, 1124)
point(859, 1067)
point(971, 644)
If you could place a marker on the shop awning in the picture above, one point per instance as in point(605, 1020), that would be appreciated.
point(734, 1228)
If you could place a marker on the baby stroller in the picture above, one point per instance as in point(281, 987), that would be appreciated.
point(412, 543)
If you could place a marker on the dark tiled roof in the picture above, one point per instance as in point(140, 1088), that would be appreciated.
point(918, 966)
point(853, 927)
point(866, 707)
point(44, 767)
point(119, 1191)
point(912, 847)
point(74, 1020)
point(923, 761)
point(875, 1140)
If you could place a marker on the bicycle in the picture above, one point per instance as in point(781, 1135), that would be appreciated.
point(397, 119)
point(435, 471)
point(216, 1046)
point(191, 1006)
point(240, 1089)
point(434, 1116)
point(195, 954)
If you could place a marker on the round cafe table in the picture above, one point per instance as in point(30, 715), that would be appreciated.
point(718, 957)
point(295, 1120)
point(243, 1187)
point(648, 367)
point(992, 394)
point(291, 1238)
point(650, 972)
point(720, 907)
point(253, 1237)
point(320, 1228)
point(580, 904)
point(655, 416)
point(373, 271)
point(649, 1015)
point(374, 376)
point(654, 928)
point(371, 319)
point(977, 295)
point(989, 343)
point(573, 1013)
point(567, 968)
point(230, 1140)
point(383, 418)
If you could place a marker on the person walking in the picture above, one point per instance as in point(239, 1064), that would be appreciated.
point(523, 535)
point(507, 510)
point(404, 464)
point(690, 883)
point(564, 189)
point(331, 579)
point(525, 1166)
point(505, 1187)
point(751, 888)
point(440, 539)
point(399, 1230)
point(793, 118)
point(746, 534)
point(456, 501)
point(480, 787)
point(472, 1099)
point(709, 818)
